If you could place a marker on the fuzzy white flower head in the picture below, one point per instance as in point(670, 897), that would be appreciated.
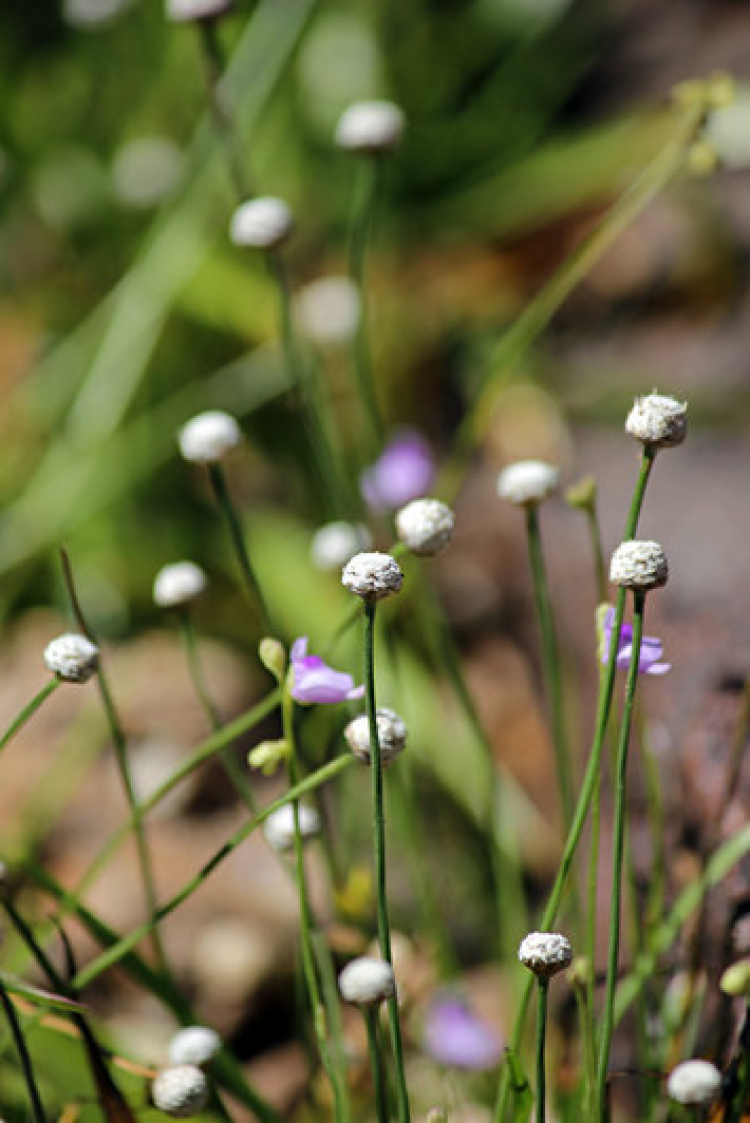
point(91, 14)
point(144, 170)
point(639, 566)
point(178, 583)
point(658, 421)
point(367, 981)
point(183, 11)
point(328, 310)
point(370, 126)
point(335, 543)
point(545, 953)
point(262, 223)
point(694, 1082)
point(194, 1045)
point(73, 658)
point(209, 436)
point(392, 733)
point(372, 575)
point(279, 827)
point(527, 482)
point(426, 526)
point(180, 1091)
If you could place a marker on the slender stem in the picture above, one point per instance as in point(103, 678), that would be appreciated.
point(739, 1100)
point(600, 569)
point(618, 853)
point(363, 214)
point(23, 1055)
point(227, 508)
point(582, 994)
point(28, 711)
point(378, 813)
point(541, 1033)
point(370, 1014)
point(214, 64)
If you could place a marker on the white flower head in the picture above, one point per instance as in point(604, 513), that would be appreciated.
point(370, 126)
point(144, 170)
point(392, 733)
point(209, 436)
point(194, 1045)
point(328, 311)
point(372, 575)
point(264, 223)
point(639, 565)
point(184, 11)
point(180, 1091)
point(178, 583)
point(694, 1082)
point(279, 826)
point(545, 953)
point(657, 421)
point(335, 543)
point(366, 981)
point(527, 482)
point(72, 657)
point(426, 526)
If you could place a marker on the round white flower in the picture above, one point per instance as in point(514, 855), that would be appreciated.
point(73, 658)
point(336, 542)
point(194, 1045)
point(545, 953)
point(181, 1091)
point(178, 583)
point(370, 126)
point(425, 526)
point(527, 482)
point(209, 436)
point(392, 733)
point(639, 566)
point(367, 981)
point(182, 11)
point(144, 170)
point(658, 421)
point(262, 223)
point(694, 1082)
point(372, 575)
point(279, 826)
point(328, 311)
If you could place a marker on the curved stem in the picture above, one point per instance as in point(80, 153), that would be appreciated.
point(28, 711)
point(227, 508)
point(541, 1033)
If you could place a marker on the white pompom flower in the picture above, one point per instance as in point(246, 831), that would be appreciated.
point(639, 565)
point(335, 543)
point(264, 223)
point(426, 526)
point(392, 734)
point(366, 981)
point(528, 482)
point(72, 657)
point(209, 436)
point(185, 11)
point(180, 1091)
point(178, 584)
point(279, 826)
point(370, 126)
point(545, 953)
point(372, 575)
point(194, 1045)
point(657, 421)
point(694, 1083)
point(328, 311)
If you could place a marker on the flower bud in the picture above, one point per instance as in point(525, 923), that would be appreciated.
point(209, 436)
point(658, 421)
point(268, 755)
point(73, 658)
point(694, 1082)
point(527, 482)
point(272, 655)
point(372, 575)
point(366, 981)
point(545, 953)
point(639, 566)
point(425, 526)
point(178, 584)
point(185, 11)
point(735, 981)
point(582, 494)
point(370, 126)
point(180, 1091)
point(279, 826)
point(392, 733)
point(263, 223)
point(194, 1045)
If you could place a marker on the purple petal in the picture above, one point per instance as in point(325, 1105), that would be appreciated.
point(315, 681)
point(298, 649)
point(405, 471)
point(454, 1035)
point(650, 653)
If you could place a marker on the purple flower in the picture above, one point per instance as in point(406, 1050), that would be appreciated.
point(405, 471)
point(454, 1035)
point(651, 648)
point(315, 681)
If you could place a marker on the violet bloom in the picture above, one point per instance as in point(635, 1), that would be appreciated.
point(651, 648)
point(454, 1035)
point(314, 681)
point(405, 471)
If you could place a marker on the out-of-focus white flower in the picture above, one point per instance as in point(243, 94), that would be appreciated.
point(181, 1091)
point(694, 1082)
point(88, 15)
point(727, 130)
point(370, 126)
point(527, 482)
point(264, 223)
point(194, 1045)
point(335, 543)
point(328, 310)
point(209, 436)
point(178, 583)
point(145, 170)
point(426, 526)
point(366, 981)
point(183, 11)
point(279, 826)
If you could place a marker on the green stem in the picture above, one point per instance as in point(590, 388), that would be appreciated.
point(227, 508)
point(370, 1015)
point(214, 64)
point(582, 994)
point(600, 569)
point(28, 711)
point(618, 854)
point(541, 1033)
point(378, 812)
point(363, 214)
point(23, 1056)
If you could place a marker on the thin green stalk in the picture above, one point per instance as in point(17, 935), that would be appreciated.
point(363, 213)
point(600, 569)
point(28, 711)
point(227, 508)
point(370, 1015)
point(378, 812)
point(585, 1007)
point(590, 781)
point(23, 1056)
point(741, 1097)
point(541, 1033)
point(214, 65)
point(618, 854)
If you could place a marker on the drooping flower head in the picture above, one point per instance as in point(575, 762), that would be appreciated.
point(314, 681)
point(454, 1035)
point(404, 471)
point(651, 647)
